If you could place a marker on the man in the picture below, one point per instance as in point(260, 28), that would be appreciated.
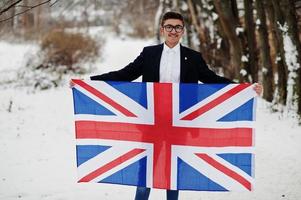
point(167, 62)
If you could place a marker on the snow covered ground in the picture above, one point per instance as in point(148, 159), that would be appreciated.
point(37, 142)
point(12, 57)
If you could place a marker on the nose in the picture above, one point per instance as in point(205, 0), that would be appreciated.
point(173, 30)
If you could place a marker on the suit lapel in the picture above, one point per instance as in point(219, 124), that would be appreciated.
point(183, 61)
point(157, 59)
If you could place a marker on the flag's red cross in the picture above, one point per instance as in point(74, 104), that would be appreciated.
point(162, 134)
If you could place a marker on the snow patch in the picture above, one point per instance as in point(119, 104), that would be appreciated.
point(244, 58)
point(214, 16)
point(243, 72)
point(291, 60)
point(239, 30)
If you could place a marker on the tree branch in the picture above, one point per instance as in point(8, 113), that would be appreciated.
point(9, 7)
point(24, 11)
point(54, 3)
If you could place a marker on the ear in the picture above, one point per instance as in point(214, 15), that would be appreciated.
point(161, 30)
point(184, 31)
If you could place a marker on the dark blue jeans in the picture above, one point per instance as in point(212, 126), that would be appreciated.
point(142, 193)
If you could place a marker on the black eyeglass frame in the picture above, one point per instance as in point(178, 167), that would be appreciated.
point(169, 28)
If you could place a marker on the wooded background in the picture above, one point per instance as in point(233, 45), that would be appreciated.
point(245, 40)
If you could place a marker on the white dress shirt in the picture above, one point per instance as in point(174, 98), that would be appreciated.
point(170, 64)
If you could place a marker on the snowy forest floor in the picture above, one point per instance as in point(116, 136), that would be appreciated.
point(37, 141)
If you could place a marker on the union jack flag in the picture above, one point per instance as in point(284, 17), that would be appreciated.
point(165, 135)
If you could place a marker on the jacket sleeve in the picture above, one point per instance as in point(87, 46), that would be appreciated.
point(129, 73)
point(207, 76)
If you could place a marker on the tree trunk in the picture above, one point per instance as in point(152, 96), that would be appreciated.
point(252, 68)
point(275, 16)
point(268, 76)
point(244, 75)
point(12, 21)
point(196, 24)
point(290, 14)
point(227, 18)
point(27, 18)
point(37, 16)
point(178, 5)
point(157, 24)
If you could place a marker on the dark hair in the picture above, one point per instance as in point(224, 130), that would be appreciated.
point(171, 15)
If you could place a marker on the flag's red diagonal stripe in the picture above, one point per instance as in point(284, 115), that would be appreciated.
point(215, 102)
point(226, 170)
point(111, 165)
point(105, 98)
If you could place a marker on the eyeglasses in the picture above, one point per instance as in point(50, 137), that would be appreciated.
point(178, 28)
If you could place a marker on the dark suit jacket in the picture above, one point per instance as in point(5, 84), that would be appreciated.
point(147, 64)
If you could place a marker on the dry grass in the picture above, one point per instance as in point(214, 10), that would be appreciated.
point(67, 49)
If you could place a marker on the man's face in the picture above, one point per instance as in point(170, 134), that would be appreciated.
point(172, 31)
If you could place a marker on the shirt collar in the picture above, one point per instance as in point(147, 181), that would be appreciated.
point(175, 48)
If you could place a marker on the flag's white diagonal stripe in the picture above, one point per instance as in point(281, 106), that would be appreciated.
point(228, 105)
point(146, 115)
point(88, 168)
point(207, 100)
point(121, 98)
point(101, 159)
point(212, 151)
point(98, 100)
point(120, 167)
point(232, 167)
point(212, 173)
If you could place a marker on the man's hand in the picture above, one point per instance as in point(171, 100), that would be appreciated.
point(258, 88)
point(71, 84)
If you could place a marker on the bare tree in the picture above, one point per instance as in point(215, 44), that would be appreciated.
point(288, 7)
point(252, 68)
point(11, 4)
point(268, 76)
point(199, 28)
point(276, 18)
point(26, 8)
point(226, 17)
